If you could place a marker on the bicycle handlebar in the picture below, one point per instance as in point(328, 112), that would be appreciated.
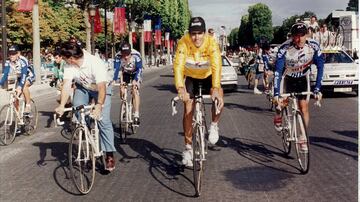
point(73, 109)
point(317, 103)
point(175, 99)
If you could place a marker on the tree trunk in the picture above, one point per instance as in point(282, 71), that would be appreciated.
point(88, 30)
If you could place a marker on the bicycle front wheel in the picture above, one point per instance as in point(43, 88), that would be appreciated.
point(81, 161)
point(31, 121)
point(124, 124)
point(302, 150)
point(286, 131)
point(197, 159)
point(8, 125)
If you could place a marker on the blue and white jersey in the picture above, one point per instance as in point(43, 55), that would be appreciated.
point(295, 62)
point(20, 68)
point(134, 66)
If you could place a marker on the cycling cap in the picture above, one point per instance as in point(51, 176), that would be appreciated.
point(298, 28)
point(125, 48)
point(197, 24)
point(13, 49)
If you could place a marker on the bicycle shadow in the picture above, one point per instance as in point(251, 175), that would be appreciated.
point(331, 144)
point(259, 153)
point(164, 165)
point(59, 154)
point(166, 87)
point(50, 119)
point(118, 142)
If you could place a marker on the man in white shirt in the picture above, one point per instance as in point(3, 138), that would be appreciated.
point(92, 82)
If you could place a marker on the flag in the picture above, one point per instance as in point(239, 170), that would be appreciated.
point(167, 38)
point(25, 5)
point(97, 22)
point(119, 20)
point(158, 31)
point(147, 30)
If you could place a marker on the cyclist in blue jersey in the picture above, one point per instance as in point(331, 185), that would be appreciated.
point(293, 60)
point(129, 63)
point(19, 66)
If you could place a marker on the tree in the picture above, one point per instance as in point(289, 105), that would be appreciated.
point(233, 38)
point(261, 23)
point(353, 5)
point(245, 36)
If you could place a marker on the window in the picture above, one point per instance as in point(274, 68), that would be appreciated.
point(339, 57)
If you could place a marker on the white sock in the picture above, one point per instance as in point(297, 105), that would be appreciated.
point(214, 123)
point(136, 114)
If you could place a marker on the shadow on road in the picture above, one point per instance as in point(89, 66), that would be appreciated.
point(347, 133)
point(253, 109)
point(164, 165)
point(50, 115)
point(166, 87)
point(260, 153)
point(59, 154)
point(257, 178)
point(336, 145)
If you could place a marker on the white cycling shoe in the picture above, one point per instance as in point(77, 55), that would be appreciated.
point(187, 156)
point(213, 133)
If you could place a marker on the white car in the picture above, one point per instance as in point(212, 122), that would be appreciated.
point(229, 78)
point(340, 72)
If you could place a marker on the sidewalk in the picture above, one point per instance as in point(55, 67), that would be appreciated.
point(44, 88)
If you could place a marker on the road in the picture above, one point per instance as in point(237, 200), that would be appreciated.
point(246, 165)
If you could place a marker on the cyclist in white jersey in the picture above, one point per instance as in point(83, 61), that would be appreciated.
point(294, 59)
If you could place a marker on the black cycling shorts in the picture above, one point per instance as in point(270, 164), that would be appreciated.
point(192, 85)
point(296, 85)
point(128, 78)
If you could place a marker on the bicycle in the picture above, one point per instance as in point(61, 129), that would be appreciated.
point(84, 148)
point(13, 120)
point(199, 137)
point(293, 129)
point(270, 92)
point(126, 118)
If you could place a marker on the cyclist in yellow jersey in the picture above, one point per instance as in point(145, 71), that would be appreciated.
point(198, 59)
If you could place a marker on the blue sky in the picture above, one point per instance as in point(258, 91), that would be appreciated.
point(229, 12)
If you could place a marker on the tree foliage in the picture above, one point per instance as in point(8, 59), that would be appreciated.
point(245, 36)
point(233, 38)
point(58, 23)
point(260, 21)
point(353, 5)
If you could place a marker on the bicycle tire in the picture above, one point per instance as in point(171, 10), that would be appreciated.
point(123, 124)
point(303, 156)
point(82, 170)
point(7, 132)
point(197, 162)
point(285, 132)
point(31, 122)
point(270, 95)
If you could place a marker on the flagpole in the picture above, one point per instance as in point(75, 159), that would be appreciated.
point(36, 42)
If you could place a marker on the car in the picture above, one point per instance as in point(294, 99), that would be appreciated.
point(229, 79)
point(340, 72)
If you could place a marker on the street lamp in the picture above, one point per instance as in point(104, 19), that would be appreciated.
point(92, 13)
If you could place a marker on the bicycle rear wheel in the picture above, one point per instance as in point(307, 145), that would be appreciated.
point(301, 133)
point(285, 132)
point(197, 160)
point(81, 161)
point(30, 122)
point(8, 125)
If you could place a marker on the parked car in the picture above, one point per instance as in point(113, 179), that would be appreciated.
point(229, 79)
point(340, 72)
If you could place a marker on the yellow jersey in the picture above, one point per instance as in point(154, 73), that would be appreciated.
point(198, 63)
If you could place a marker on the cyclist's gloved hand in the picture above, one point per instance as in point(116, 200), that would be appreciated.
point(317, 94)
point(183, 95)
point(217, 94)
point(96, 113)
point(60, 110)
